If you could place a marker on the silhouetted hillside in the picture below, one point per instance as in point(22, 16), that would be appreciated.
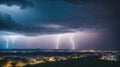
point(85, 62)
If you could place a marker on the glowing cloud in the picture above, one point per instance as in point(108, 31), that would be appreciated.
point(57, 41)
point(13, 38)
point(7, 9)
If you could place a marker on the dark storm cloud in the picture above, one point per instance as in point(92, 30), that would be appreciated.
point(102, 16)
point(78, 1)
point(22, 3)
point(8, 24)
point(99, 14)
point(111, 5)
point(95, 14)
point(6, 21)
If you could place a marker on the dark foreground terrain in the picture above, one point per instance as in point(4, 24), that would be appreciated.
point(59, 58)
point(84, 62)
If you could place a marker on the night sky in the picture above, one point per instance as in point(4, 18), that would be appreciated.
point(92, 24)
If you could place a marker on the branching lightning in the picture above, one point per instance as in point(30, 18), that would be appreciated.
point(72, 41)
point(58, 41)
point(71, 35)
point(7, 42)
point(10, 38)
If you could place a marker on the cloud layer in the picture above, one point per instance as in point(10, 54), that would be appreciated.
point(63, 16)
point(88, 14)
point(8, 24)
point(22, 3)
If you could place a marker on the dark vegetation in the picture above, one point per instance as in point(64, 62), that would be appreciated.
point(84, 62)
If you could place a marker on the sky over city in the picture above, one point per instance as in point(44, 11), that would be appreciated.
point(60, 24)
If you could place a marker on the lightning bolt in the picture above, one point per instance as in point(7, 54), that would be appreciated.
point(72, 41)
point(10, 38)
point(58, 41)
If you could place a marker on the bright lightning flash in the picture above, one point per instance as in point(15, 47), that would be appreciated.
point(72, 41)
point(58, 41)
point(71, 35)
point(12, 38)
